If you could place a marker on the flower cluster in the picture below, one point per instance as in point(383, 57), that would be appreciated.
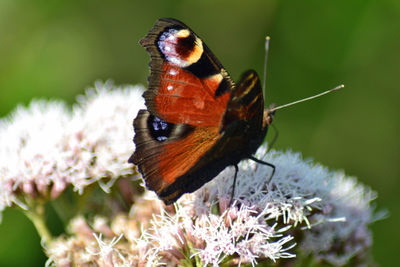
point(305, 209)
point(46, 147)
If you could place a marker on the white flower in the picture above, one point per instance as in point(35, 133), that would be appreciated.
point(102, 134)
point(330, 209)
point(30, 142)
point(45, 147)
point(304, 207)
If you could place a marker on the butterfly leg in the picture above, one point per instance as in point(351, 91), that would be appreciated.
point(234, 184)
point(265, 163)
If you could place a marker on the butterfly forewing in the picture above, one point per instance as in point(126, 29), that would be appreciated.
point(187, 84)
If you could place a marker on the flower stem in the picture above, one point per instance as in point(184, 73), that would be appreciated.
point(37, 215)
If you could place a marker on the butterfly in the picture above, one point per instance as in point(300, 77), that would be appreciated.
point(197, 121)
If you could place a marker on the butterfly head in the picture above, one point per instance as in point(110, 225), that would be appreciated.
point(269, 114)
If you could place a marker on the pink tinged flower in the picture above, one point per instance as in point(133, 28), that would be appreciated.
point(93, 142)
point(100, 225)
point(109, 255)
point(79, 227)
point(45, 147)
point(259, 225)
point(301, 196)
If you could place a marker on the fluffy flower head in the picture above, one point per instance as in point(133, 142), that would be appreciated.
point(46, 147)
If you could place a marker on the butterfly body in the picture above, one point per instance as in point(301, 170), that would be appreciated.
point(197, 121)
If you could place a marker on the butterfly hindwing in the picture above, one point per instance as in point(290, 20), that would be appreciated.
point(165, 151)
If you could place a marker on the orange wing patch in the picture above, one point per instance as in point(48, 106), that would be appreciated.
point(184, 98)
point(178, 157)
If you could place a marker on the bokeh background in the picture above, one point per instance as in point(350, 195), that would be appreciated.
point(56, 49)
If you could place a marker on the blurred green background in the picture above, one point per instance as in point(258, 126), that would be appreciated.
point(56, 49)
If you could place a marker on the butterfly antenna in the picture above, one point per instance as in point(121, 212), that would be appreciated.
point(265, 64)
point(308, 98)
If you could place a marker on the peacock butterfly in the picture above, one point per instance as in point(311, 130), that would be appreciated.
point(198, 121)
